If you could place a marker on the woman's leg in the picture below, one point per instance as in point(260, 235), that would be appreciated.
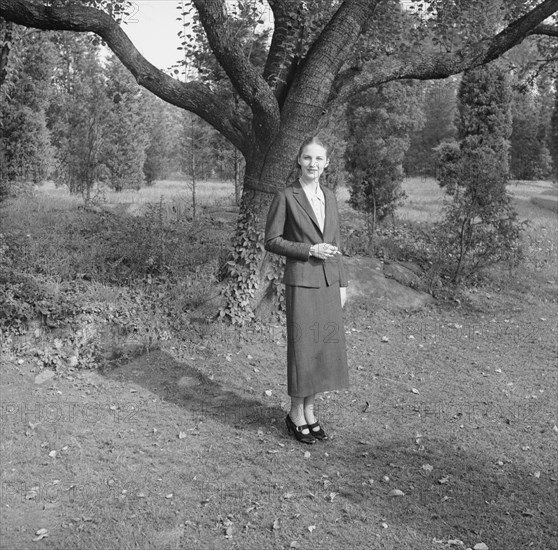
point(315, 429)
point(297, 412)
point(309, 409)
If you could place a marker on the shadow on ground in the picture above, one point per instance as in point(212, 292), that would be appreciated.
point(451, 490)
point(183, 384)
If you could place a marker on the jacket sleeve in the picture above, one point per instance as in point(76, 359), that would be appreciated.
point(274, 229)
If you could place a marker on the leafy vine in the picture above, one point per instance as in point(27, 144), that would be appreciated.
point(244, 268)
point(243, 271)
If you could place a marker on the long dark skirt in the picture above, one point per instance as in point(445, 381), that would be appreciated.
point(316, 351)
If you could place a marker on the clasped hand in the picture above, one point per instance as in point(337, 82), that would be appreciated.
point(324, 251)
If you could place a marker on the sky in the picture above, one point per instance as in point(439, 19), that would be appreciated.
point(153, 28)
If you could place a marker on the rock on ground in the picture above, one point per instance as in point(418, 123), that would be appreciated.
point(368, 282)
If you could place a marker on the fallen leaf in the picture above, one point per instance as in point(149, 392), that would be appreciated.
point(268, 393)
point(427, 467)
point(41, 534)
point(182, 435)
point(537, 474)
point(311, 528)
point(52, 454)
point(414, 390)
point(276, 525)
point(443, 480)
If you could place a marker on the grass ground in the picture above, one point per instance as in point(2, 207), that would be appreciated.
point(185, 446)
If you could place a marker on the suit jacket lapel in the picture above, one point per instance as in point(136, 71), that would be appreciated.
point(302, 199)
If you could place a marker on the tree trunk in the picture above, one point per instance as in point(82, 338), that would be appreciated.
point(256, 273)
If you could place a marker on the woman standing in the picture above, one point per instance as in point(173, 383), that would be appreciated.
point(303, 225)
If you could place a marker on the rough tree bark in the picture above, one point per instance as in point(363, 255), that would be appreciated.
point(289, 99)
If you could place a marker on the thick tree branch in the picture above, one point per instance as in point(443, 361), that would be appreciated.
point(280, 65)
point(245, 78)
point(441, 65)
point(330, 50)
point(547, 30)
point(192, 96)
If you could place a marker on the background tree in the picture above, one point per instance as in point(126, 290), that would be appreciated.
point(163, 125)
point(24, 137)
point(78, 113)
point(530, 156)
point(314, 60)
point(124, 128)
point(380, 122)
point(439, 103)
point(480, 226)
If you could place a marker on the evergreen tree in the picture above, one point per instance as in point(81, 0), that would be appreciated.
point(530, 157)
point(124, 127)
point(439, 115)
point(480, 225)
point(484, 114)
point(378, 126)
point(24, 136)
point(163, 126)
point(78, 113)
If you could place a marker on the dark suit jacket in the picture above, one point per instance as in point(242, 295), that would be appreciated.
point(292, 228)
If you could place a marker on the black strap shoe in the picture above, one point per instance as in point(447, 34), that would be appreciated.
point(318, 434)
point(297, 432)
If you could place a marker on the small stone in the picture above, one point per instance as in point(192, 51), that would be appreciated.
point(42, 377)
point(480, 546)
